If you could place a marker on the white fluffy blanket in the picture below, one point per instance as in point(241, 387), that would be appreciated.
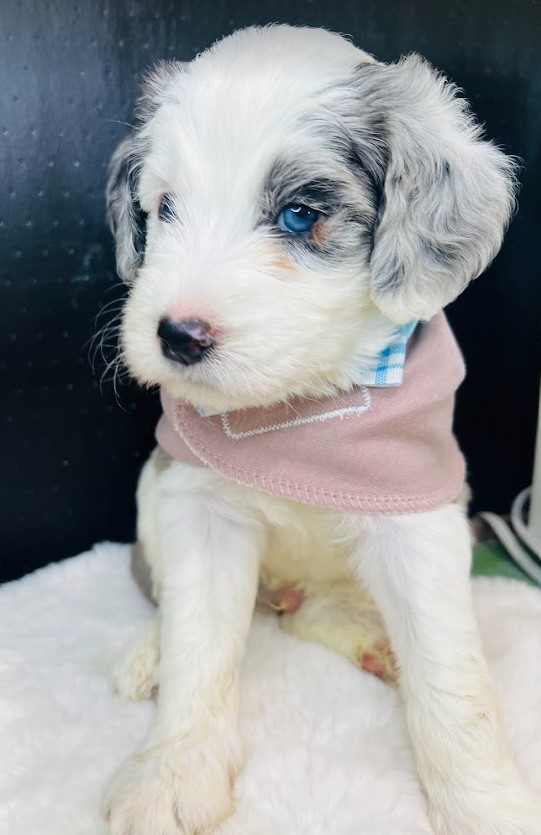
point(326, 748)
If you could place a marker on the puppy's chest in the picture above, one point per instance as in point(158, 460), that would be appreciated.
point(303, 546)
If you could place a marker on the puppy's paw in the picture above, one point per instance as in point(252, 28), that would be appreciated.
point(135, 671)
point(380, 661)
point(497, 809)
point(172, 790)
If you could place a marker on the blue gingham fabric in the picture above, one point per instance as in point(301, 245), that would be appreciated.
point(388, 368)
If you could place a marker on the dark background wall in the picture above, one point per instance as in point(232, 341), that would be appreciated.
point(69, 73)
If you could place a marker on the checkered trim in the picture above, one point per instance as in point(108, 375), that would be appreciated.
point(388, 369)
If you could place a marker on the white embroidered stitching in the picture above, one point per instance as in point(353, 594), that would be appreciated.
point(369, 504)
point(299, 421)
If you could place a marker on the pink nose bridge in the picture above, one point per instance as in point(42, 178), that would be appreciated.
point(195, 321)
point(199, 330)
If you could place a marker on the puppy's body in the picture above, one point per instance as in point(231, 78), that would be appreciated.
point(305, 572)
point(399, 203)
point(304, 546)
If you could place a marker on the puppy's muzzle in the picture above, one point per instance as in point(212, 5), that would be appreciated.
point(187, 341)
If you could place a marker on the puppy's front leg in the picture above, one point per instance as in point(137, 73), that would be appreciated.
point(417, 568)
point(180, 781)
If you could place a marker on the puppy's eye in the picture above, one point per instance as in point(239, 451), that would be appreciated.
point(297, 219)
point(166, 210)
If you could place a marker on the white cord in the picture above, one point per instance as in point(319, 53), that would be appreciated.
point(510, 541)
point(518, 515)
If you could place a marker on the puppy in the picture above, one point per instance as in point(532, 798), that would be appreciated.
point(291, 216)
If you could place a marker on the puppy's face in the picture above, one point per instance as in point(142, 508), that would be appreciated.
point(282, 204)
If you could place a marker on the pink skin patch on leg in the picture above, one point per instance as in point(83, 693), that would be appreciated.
point(370, 664)
point(381, 663)
point(286, 599)
point(289, 599)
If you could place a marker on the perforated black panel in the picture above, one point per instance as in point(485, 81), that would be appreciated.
point(68, 79)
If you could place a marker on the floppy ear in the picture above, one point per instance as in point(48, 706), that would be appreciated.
point(126, 218)
point(447, 193)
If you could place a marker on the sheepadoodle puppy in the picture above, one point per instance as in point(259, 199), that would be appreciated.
point(291, 216)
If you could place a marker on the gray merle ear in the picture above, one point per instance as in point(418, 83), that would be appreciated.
point(126, 218)
point(447, 194)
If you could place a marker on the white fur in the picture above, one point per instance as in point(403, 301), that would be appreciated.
point(181, 778)
point(297, 318)
point(418, 571)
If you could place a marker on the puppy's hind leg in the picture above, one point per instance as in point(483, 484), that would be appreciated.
point(344, 618)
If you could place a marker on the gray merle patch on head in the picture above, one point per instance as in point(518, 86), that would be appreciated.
point(331, 187)
point(292, 182)
point(358, 137)
point(370, 175)
point(127, 220)
point(363, 131)
point(346, 207)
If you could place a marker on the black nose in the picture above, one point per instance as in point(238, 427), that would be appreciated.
point(187, 341)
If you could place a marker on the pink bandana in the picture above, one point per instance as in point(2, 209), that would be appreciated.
point(370, 450)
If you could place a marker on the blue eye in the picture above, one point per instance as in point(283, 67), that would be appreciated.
point(166, 210)
point(297, 219)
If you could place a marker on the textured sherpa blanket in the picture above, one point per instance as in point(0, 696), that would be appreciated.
point(326, 748)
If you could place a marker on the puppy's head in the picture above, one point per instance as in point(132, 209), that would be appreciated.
point(283, 203)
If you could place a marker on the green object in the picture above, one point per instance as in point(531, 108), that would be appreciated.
point(490, 559)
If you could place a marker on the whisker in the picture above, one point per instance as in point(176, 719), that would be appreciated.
point(104, 349)
point(118, 122)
